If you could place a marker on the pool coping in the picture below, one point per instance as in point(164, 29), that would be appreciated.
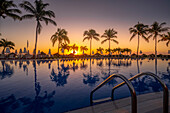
point(150, 102)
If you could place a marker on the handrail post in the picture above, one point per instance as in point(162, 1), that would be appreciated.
point(130, 86)
point(165, 89)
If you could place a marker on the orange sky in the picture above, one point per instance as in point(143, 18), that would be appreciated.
point(77, 18)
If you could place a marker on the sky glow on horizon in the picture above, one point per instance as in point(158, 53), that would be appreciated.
point(76, 16)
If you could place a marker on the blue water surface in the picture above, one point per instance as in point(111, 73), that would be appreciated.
point(56, 86)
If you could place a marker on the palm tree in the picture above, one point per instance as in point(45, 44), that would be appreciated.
point(140, 30)
point(5, 43)
point(83, 48)
point(59, 36)
point(155, 31)
point(8, 8)
point(108, 50)
point(165, 38)
point(40, 13)
point(118, 50)
point(65, 46)
point(91, 34)
point(127, 50)
point(109, 35)
point(74, 47)
point(100, 49)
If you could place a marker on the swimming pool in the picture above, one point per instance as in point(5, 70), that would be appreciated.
point(56, 86)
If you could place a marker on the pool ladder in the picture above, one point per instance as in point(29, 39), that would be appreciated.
point(132, 90)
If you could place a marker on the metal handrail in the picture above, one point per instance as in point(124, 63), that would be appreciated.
point(129, 84)
point(165, 89)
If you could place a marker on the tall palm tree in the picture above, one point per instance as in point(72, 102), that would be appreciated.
point(90, 34)
point(5, 43)
point(155, 31)
point(74, 48)
point(60, 35)
point(65, 46)
point(40, 13)
point(140, 30)
point(109, 34)
point(83, 48)
point(100, 49)
point(165, 38)
point(8, 8)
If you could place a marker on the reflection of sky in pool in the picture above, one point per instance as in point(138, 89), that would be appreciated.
point(59, 86)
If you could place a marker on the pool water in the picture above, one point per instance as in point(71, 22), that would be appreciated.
point(56, 86)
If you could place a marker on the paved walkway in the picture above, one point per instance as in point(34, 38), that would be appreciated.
point(147, 103)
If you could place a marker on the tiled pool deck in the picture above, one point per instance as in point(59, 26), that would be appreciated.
point(147, 103)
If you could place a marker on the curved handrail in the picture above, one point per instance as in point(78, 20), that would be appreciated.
point(129, 84)
point(165, 89)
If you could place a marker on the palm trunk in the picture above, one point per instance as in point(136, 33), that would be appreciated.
point(138, 46)
point(90, 46)
point(58, 47)
point(36, 37)
point(3, 51)
point(109, 48)
point(155, 47)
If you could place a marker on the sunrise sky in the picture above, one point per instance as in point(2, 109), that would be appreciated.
point(76, 16)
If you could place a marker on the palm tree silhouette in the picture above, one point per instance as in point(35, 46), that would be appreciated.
point(40, 13)
point(83, 48)
point(127, 50)
point(140, 30)
point(74, 48)
point(64, 46)
point(165, 38)
point(39, 103)
point(60, 35)
point(100, 49)
point(155, 31)
point(8, 8)
point(90, 78)
point(5, 43)
point(9, 104)
point(6, 71)
point(91, 34)
point(109, 34)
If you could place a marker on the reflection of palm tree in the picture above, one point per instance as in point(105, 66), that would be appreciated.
point(8, 104)
point(8, 8)
point(91, 34)
point(60, 78)
point(89, 78)
point(140, 30)
point(6, 70)
point(40, 13)
point(83, 66)
point(74, 66)
point(40, 102)
point(107, 74)
point(109, 35)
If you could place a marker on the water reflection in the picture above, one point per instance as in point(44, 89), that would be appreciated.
point(60, 77)
point(6, 70)
point(39, 103)
point(107, 73)
point(89, 78)
point(9, 104)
